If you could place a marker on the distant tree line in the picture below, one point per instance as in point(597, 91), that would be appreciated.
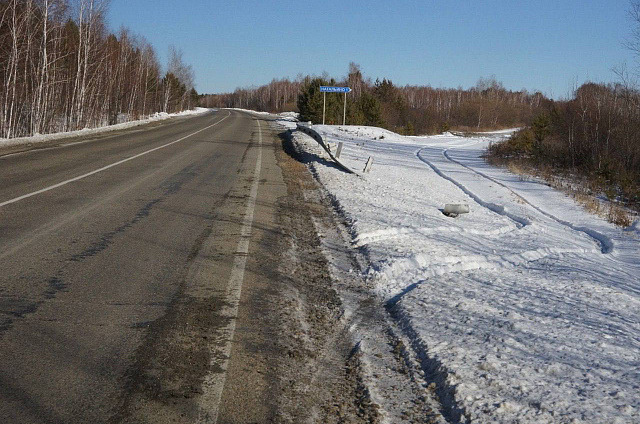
point(61, 70)
point(280, 95)
point(486, 106)
point(408, 109)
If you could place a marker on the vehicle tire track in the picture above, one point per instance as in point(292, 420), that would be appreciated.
point(500, 210)
point(606, 244)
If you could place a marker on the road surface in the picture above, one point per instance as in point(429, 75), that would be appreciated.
point(145, 276)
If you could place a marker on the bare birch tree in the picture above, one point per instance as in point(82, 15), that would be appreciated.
point(60, 69)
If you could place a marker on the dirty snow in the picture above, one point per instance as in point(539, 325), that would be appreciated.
point(40, 138)
point(528, 303)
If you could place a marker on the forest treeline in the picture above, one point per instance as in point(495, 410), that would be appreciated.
point(62, 70)
point(403, 109)
point(595, 134)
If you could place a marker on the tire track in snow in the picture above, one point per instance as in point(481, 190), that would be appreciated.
point(500, 210)
point(606, 244)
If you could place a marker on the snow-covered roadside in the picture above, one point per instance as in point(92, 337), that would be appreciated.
point(284, 119)
point(41, 138)
point(529, 303)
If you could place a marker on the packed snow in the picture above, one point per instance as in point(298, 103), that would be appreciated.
point(528, 303)
point(41, 138)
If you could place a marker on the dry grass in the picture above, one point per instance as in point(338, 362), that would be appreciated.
point(589, 202)
point(517, 169)
point(619, 215)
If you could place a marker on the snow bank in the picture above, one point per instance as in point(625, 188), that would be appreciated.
point(529, 303)
point(285, 116)
point(286, 120)
point(40, 138)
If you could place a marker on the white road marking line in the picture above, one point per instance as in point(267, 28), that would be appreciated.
point(104, 168)
point(214, 383)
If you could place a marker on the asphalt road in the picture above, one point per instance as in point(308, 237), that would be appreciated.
point(122, 265)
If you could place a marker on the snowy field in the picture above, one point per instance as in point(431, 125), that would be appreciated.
point(528, 305)
point(41, 138)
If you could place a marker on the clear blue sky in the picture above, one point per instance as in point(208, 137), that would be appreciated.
point(546, 45)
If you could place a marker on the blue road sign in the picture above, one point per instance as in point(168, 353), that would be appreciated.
point(325, 89)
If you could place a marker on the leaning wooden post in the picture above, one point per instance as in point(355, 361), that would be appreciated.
point(367, 167)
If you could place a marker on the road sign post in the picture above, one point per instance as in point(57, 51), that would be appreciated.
point(324, 90)
point(344, 111)
point(324, 105)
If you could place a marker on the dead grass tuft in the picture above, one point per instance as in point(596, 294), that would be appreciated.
point(516, 168)
point(619, 215)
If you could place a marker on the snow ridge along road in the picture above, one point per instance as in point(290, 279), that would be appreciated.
point(523, 310)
